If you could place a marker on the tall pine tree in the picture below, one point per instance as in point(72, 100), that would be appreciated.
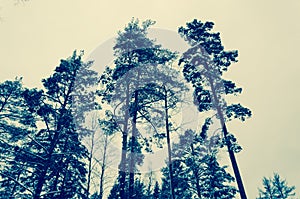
point(136, 59)
point(204, 64)
point(16, 127)
point(52, 156)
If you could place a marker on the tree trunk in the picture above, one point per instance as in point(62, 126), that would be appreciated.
point(122, 171)
point(44, 169)
point(90, 158)
point(196, 174)
point(225, 133)
point(103, 167)
point(169, 145)
point(133, 146)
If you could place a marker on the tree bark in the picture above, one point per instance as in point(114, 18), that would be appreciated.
point(169, 144)
point(225, 133)
point(101, 189)
point(90, 158)
point(133, 146)
point(196, 174)
point(122, 171)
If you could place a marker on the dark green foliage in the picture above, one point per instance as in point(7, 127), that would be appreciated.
point(48, 161)
point(16, 124)
point(139, 191)
point(94, 196)
point(156, 191)
point(204, 64)
point(63, 171)
point(231, 141)
point(115, 191)
point(180, 182)
point(275, 188)
point(215, 181)
point(197, 173)
point(42, 155)
point(237, 111)
point(128, 89)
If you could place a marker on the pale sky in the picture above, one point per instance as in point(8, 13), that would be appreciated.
point(35, 35)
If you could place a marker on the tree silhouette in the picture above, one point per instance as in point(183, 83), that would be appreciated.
point(275, 188)
point(123, 89)
point(204, 64)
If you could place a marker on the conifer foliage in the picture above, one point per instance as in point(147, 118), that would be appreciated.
point(204, 64)
point(197, 173)
point(16, 126)
point(44, 133)
point(48, 162)
point(276, 188)
point(129, 89)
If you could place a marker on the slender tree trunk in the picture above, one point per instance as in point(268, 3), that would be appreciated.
point(133, 146)
point(169, 144)
point(58, 170)
point(132, 163)
point(122, 171)
point(54, 140)
point(196, 175)
point(101, 189)
point(225, 132)
point(90, 161)
point(44, 169)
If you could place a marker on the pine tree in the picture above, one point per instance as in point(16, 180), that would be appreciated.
point(52, 155)
point(115, 191)
point(197, 173)
point(137, 57)
point(165, 95)
point(215, 180)
point(204, 64)
point(156, 191)
point(16, 126)
point(180, 182)
point(139, 190)
point(63, 172)
point(276, 188)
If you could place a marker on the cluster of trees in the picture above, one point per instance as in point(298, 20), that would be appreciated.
point(48, 147)
point(41, 152)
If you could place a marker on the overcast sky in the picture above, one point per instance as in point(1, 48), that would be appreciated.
point(35, 35)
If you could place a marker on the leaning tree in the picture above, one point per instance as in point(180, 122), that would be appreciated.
point(204, 65)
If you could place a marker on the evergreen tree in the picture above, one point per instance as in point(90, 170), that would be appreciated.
point(180, 182)
point(156, 191)
point(139, 190)
point(164, 96)
point(137, 57)
point(197, 173)
point(204, 64)
point(215, 180)
point(52, 156)
point(16, 126)
point(275, 188)
point(115, 191)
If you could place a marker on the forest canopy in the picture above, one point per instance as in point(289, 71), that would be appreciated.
point(61, 141)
